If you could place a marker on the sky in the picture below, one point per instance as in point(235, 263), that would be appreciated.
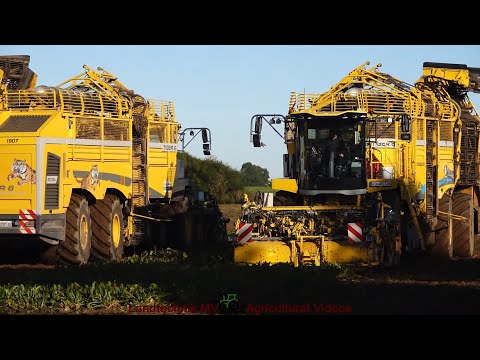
point(222, 86)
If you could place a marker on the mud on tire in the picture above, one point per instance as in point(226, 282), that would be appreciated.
point(441, 230)
point(107, 228)
point(75, 249)
point(463, 237)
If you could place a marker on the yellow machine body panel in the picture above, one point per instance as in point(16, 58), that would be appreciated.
point(17, 175)
point(259, 252)
point(344, 252)
point(273, 252)
point(461, 76)
point(289, 185)
point(162, 158)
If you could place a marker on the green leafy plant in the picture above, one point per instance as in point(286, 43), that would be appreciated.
point(75, 297)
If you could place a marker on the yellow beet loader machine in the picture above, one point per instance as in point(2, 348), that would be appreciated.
point(375, 167)
point(90, 167)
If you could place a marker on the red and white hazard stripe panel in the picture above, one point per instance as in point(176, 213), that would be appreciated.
point(244, 233)
point(27, 218)
point(355, 232)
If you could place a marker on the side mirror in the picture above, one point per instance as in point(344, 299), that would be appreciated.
point(205, 136)
point(256, 140)
point(258, 124)
point(206, 149)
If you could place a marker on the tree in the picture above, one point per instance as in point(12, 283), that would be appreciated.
point(254, 175)
point(213, 176)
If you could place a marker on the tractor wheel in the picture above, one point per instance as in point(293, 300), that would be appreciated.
point(107, 228)
point(75, 249)
point(463, 238)
point(181, 231)
point(216, 228)
point(391, 230)
point(391, 251)
point(156, 234)
point(201, 220)
point(441, 230)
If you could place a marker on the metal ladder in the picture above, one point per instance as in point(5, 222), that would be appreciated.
point(431, 183)
point(468, 154)
point(139, 180)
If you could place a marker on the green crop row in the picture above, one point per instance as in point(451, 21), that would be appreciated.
point(154, 257)
point(75, 297)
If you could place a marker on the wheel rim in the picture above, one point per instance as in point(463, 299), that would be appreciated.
point(83, 232)
point(116, 230)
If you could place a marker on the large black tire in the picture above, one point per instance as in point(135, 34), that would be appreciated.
point(463, 233)
point(107, 228)
point(215, 228)
point(186, 230)
point(156, 234)
point(441, 230)
point(75, 249)
point(391, 254)
point(181, 231)
point(391, 230)
point(463, 237)
point(201, 224)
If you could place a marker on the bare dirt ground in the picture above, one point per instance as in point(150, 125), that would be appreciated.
point(420, 285)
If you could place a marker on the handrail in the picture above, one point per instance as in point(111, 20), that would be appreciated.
point(161, 110)
point(82, 103)
point(376, 100)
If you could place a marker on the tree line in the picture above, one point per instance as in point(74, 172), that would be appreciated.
point(221, 180)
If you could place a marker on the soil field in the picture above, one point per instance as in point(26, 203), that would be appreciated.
point(172, 282)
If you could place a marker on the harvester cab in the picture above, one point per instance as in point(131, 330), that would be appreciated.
point(331, 151)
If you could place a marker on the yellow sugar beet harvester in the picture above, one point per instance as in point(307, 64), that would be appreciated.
point(375, 167)
point(91, 167)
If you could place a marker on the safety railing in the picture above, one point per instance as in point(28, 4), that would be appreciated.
point(447, 110)
point(71, 101)
point(161, 110)
point(378, 101)
point(25, 100)
point(302, 102)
